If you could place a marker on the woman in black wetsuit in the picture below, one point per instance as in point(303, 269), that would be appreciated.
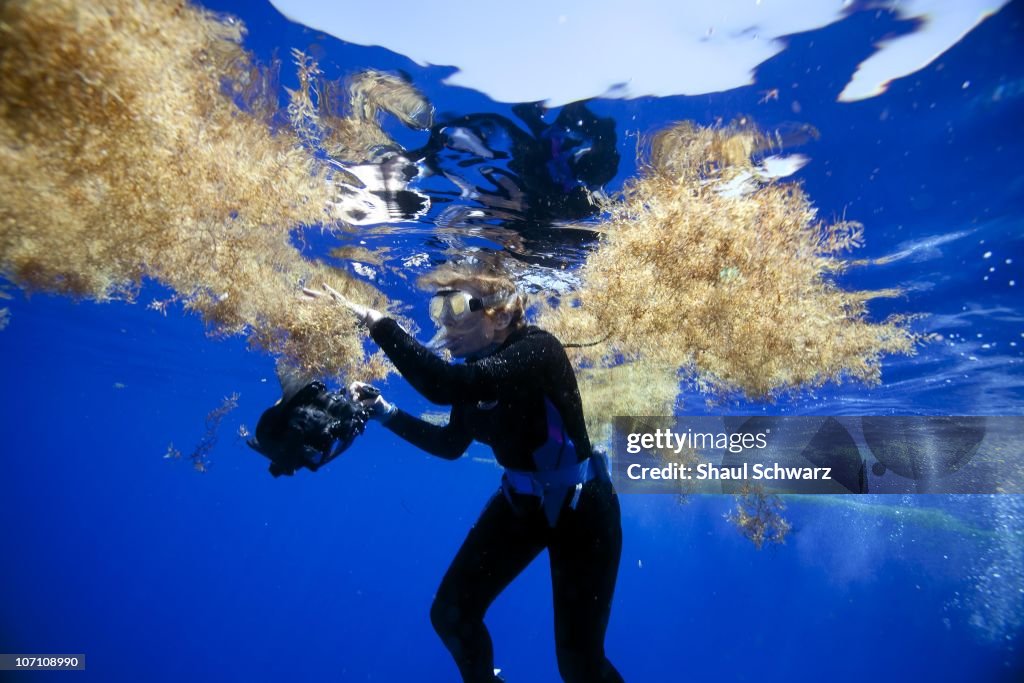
point(517, 393)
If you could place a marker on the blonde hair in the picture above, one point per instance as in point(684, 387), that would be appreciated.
point(487, 278)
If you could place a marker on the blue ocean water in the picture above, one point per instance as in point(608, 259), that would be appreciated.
point(157, 572)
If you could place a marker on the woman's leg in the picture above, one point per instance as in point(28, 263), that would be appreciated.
point(585, 555)
point(499, 546)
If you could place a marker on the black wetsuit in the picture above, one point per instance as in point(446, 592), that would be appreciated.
point(504, 401)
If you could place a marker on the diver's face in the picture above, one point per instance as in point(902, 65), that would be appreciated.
point(471, 333)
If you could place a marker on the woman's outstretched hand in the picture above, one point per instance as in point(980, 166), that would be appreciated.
point(375, 404)
point(366, 315)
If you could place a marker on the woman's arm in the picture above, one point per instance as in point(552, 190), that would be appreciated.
point(446, 383)
point(438, 381)
point(448, 442)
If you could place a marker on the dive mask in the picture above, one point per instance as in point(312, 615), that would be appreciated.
point(453, 306)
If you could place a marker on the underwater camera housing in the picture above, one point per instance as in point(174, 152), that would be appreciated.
point(301, 430)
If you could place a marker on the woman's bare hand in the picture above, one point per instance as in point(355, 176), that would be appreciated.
point(364, 314)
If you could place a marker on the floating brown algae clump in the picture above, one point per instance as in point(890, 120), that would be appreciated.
point(123, 156)
point(352, 121)
point(635, 388)
point(344, 118)
point(758, 516)
point(733, 287)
